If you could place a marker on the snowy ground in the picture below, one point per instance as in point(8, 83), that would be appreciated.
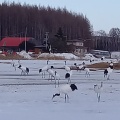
point(29, 97)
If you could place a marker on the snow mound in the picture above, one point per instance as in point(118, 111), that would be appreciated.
point(89, 57)
point(115, 55)
point(25, 55)
point(67, 55)
point(63, 55)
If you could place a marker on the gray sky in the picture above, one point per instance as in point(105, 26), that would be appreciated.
point(103, 14)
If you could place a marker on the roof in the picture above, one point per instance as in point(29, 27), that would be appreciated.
point(40, 46)
point(75, 40)
point(13, 41)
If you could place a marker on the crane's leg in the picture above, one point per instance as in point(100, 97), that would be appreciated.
point(99, 98)
point(55, 82)
point(108, 78)
point(65, 97)
point(42, 75)
point(58, 82)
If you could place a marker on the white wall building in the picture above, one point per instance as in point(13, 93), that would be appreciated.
point(78, 46)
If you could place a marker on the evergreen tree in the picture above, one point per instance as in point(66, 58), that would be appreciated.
point(60, 41)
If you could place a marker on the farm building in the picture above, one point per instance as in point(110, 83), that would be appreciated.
point(17, 43)
point(77, 47)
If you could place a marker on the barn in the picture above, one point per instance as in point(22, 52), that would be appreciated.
point(17, 43)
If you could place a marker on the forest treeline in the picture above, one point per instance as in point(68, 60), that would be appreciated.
point(18, 20)
point(109, 42)
point(36, 20)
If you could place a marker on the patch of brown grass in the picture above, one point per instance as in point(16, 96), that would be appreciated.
point(99, 65)
point(117, 66)
point(10, 57)
point(51, 58)
point(104, 65)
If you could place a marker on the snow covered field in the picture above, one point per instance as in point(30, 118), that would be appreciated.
point(30, 97)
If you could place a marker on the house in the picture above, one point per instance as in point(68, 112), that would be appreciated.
point(17, 43)
point(40, 49)
point(77, 46)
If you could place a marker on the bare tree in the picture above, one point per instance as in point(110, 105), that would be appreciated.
point(114, 32)
point(15, 18)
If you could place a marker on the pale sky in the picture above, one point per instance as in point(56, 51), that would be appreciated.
point(103, 14)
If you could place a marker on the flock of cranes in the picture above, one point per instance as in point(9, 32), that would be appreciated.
point(69, 87)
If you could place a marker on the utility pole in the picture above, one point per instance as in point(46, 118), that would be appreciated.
point(25, 37)
point(46, 39)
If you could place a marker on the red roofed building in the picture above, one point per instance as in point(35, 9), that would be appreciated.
point(17, 43)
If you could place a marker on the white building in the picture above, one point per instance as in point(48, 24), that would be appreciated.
point(77, 47)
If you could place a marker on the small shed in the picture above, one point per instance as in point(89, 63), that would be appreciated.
point(40, 49)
